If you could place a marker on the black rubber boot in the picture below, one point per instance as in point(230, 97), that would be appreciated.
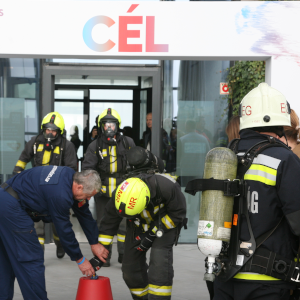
point(107, 264)
point(60, 252)
point(120, 258)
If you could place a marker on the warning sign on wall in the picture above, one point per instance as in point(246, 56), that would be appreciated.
point(224, 88)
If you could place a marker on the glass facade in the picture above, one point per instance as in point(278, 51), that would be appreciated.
point(194, 114)
point(194, 120)
point(19, 109)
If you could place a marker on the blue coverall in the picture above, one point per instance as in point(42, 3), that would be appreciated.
point(47, 190)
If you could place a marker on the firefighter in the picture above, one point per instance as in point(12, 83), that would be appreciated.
point(155, 209)
point(263, 266)
point(50, 147)
point(48, 193)
point(107, 155)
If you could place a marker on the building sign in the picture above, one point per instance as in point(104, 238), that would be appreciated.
point(158, 30)
point(149, 29)
point(125, 34)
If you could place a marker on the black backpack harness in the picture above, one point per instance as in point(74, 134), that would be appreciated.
point(255, 258)
point(50, 148)
point(99, 148)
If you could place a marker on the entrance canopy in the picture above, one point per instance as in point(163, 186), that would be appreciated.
point(158, 30)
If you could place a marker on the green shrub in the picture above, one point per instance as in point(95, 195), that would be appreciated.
point(242, 78)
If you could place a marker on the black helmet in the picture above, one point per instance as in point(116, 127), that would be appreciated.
point(139, 157)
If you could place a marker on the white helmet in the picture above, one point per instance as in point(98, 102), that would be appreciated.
point(263, 107)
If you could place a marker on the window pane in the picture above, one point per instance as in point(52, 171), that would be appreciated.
point(12, 134)
point(96, 80)
point(198, 112)
point(72, 112)
point(30, 115)
point(22, 67)
point(111, 94)
point(74, 95)
point(25, 90)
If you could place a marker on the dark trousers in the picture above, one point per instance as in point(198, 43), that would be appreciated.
point(247, 290)
point(100, 202)
point(21, 256)
point(153, 282)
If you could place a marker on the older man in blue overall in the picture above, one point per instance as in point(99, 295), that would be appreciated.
point(45, 193)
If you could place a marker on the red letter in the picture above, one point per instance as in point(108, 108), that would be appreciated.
point(124, 34)
point(243, 110)
point(150, 46)
point(1, 12)
point(283, 108)
point(248, 111)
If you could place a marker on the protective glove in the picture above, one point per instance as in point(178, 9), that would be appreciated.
point(146, 239)
point(96, 263)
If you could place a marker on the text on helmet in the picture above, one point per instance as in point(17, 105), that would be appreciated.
point(283, 108)
point(246, 110)
point(132, 203)
point(119, 195)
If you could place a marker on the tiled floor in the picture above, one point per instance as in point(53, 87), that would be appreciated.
point(62, 275)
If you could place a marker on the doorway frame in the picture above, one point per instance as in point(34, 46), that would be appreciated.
point(50, 70)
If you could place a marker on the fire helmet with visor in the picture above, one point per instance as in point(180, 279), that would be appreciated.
point(109, 121)
point(264, 107)
point(54, 122)
point(132, 196)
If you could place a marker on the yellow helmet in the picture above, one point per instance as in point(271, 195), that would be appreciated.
point(132, 197)
point(109, 116)
point(54, 121)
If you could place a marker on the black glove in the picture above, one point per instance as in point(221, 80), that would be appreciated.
point(146, 239)
point(96, 263)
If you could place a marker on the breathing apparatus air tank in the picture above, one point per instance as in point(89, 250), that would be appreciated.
point(215, 218)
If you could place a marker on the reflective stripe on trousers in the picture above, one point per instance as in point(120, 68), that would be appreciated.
point(155, 282)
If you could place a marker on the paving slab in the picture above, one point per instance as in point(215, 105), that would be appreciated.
point(62, 275)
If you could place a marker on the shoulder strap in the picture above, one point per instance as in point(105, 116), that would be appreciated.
point(99, 146)
point(35, 149)
point(158, 191)
point(233, 145)
point(247, 158)
point(62, 151)
point(125, 142)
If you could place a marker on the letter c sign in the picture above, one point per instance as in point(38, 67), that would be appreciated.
point(87, 33)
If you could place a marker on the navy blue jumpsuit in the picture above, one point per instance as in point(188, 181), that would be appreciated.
point(47, 190)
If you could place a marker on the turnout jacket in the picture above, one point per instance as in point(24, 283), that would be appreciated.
point(44, 157)
point(172, 208)
point(48, 191)
point(114, 162)
point(273, 192)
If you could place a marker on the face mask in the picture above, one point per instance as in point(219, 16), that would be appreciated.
point(110, 129)
point(49, 136)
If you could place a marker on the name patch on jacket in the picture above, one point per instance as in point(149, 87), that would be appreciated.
point(50, 175)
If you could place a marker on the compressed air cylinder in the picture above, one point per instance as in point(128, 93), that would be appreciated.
point(216, 209)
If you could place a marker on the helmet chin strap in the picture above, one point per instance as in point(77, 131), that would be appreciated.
point(287, 143)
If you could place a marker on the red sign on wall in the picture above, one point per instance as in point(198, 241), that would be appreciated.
point(224, 88)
